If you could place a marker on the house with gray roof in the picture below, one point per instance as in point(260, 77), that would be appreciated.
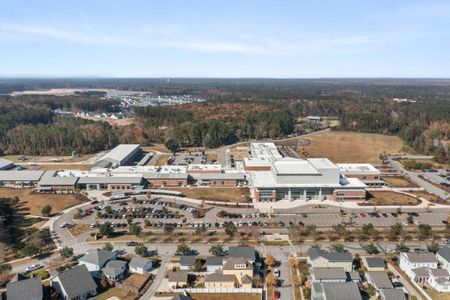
point(335, 291)
point(6, 164)
point(214, 264)
point(249, 253)
point(75, 283)
point(410, 261)
point(95, 260)
point(114, 270)
point(220, 280)
point(392, 294)
point(187, 262)
point(379, 280)
point(328, 275)
point(318, 258)
point(443, 256)
point(140, 265)
point(30, 289)
point(374, 263)
point(178, 279)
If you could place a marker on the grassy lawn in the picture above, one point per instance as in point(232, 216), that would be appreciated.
point(240, 296)
point(78, 229)
point(345, 147)
point(217, 194)
point(429, 197)
point(398, 182)
point(116, 292)
point(31, 203)
point(390, 198)
point(435, 295)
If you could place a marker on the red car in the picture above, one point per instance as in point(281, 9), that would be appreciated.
point(277, 294)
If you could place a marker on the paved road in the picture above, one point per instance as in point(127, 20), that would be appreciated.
point(158, 279)
point(415, 178)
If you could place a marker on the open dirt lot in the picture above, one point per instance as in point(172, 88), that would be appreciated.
point(31, 203)
point(240, 152)
point(217, 194)
point(390, 198)
point(345, 147)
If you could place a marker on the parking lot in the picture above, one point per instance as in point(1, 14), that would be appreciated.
point(185, 159)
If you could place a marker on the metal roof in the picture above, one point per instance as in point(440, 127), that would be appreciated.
point(110, 180)
point(220, 176)
point(119, 153)
point(21, 175)
point(4, 163)
point(52, 178)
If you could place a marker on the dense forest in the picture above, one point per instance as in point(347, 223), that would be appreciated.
point(235, 110)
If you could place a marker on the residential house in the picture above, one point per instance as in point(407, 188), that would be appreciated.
point(374, 263)
point(187, 262)
point(322, 259)
point(335, 291)
point(30, 289)
point(249, 253)
point(410, 261)
point(220, 280)
point(178, 279)
point(239, 267)
point(140, 265)
point(392, 294)
point(439, 279)
point(328, 275)
point(443, 256)
point(214, 264)
point(114, 270)
point(379, 280)
point(74, 284)
point(95, 260)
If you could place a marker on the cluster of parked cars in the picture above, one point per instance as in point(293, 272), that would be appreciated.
point(141, 213)
point(244, 216)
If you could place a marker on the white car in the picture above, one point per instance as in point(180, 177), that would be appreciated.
point(33, 267)
point(64, 225)
point(277, 273)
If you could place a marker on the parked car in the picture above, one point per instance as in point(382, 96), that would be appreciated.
point(276, 294)
point(33, 267)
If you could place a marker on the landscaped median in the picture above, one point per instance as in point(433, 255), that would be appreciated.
point(388, 198)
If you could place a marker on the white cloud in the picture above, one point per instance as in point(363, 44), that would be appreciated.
point(179, 38)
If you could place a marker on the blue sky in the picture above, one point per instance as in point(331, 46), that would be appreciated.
point(215, 38)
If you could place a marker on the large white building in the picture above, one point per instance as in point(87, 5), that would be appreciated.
point(312, 179)
point(265, 150)
point(122, 154)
